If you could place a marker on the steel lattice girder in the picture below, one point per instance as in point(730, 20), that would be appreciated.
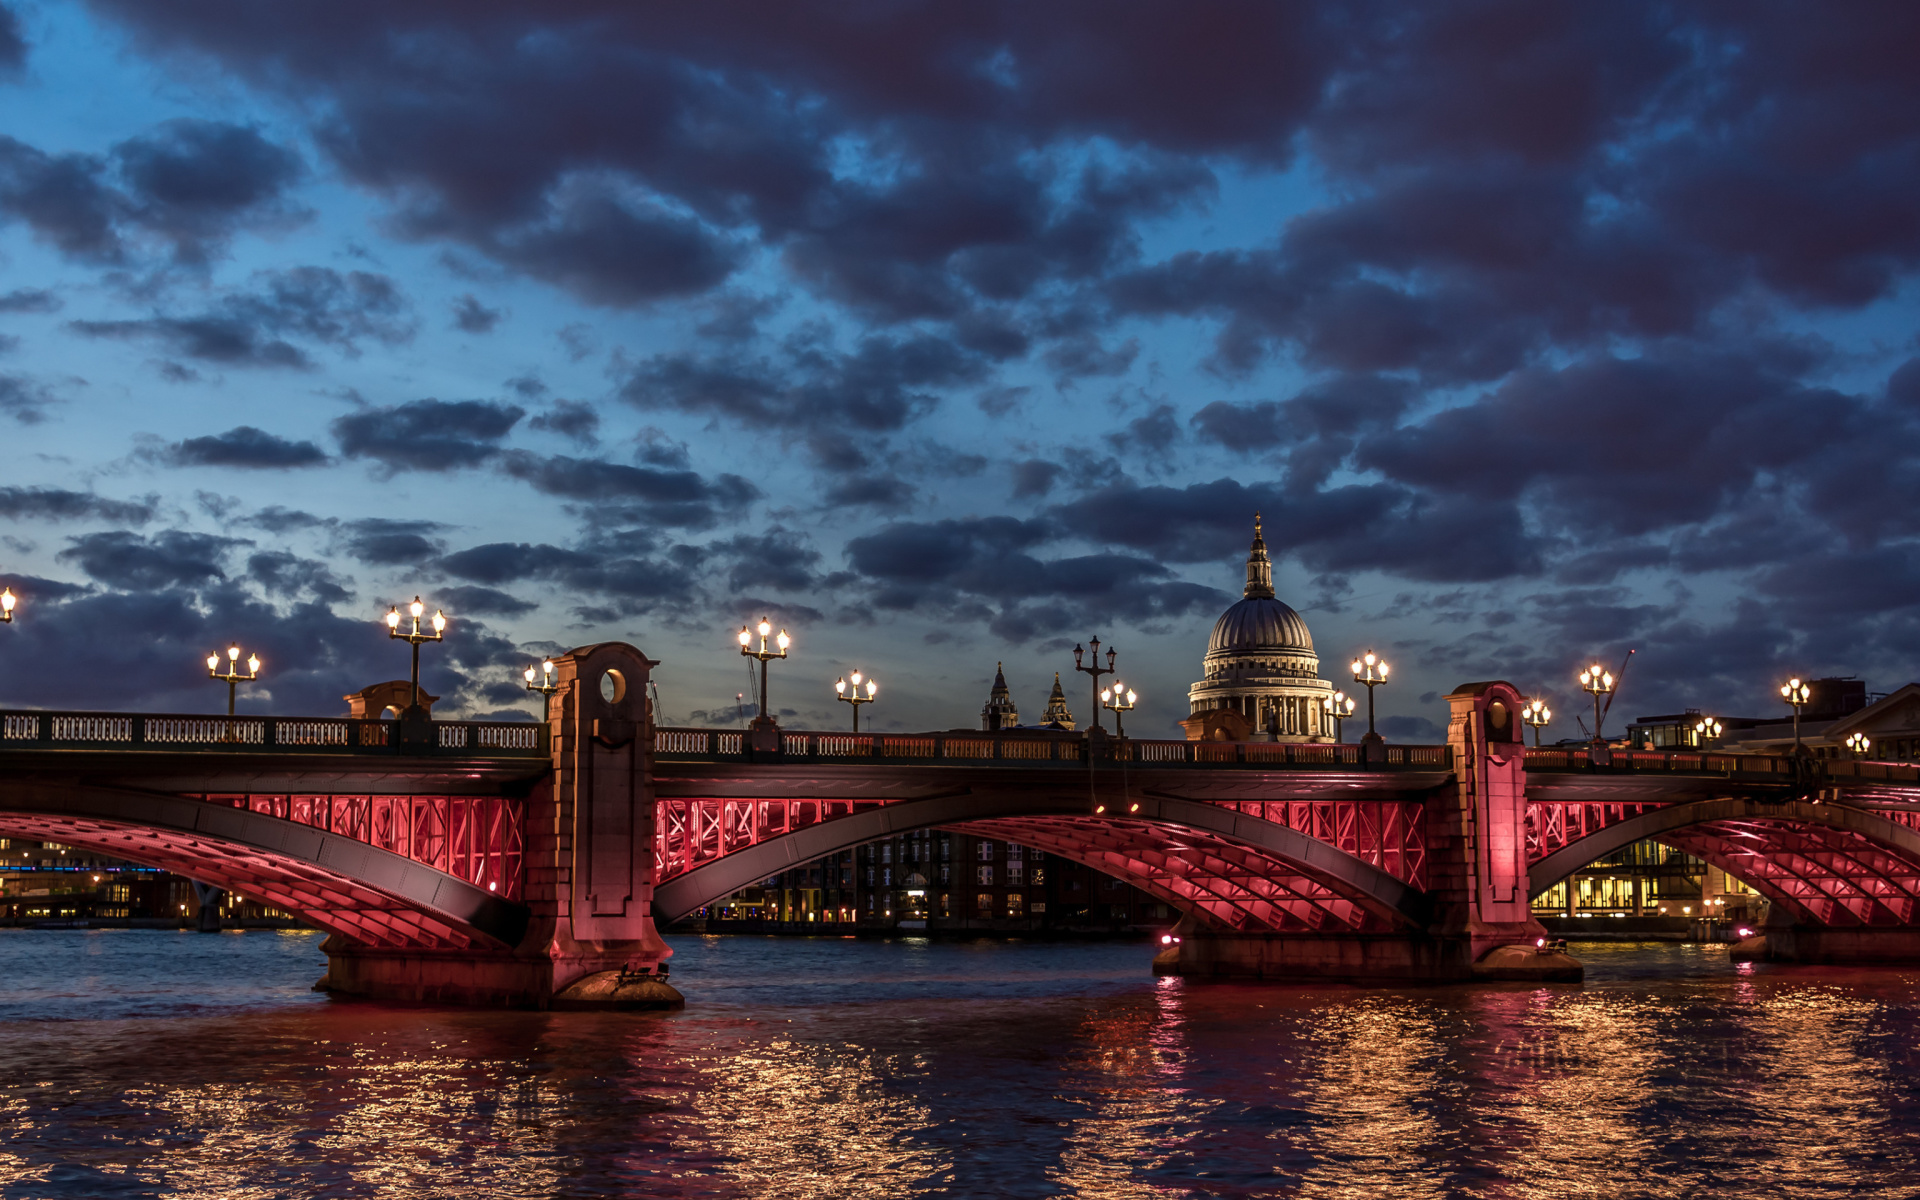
point(340, 882)
point(1248, 871)
point(1828, 863)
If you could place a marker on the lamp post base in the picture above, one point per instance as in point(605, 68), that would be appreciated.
point(415, 727)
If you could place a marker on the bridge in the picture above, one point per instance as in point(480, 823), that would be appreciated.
point(529, 863)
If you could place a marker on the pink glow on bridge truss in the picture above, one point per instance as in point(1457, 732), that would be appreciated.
point(479, 839)
point(1827, 876)
point(1553, 825)
point(333, 902)
point(1226, 884)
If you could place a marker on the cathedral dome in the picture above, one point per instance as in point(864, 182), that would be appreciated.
point(1260, 624)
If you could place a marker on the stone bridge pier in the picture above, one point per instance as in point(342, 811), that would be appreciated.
point(590, 940)
point(1474, 919)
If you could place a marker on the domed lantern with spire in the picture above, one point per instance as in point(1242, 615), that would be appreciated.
point(1261, 677)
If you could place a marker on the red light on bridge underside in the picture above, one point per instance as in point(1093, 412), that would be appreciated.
point(1745, 933)
point(1167, 939)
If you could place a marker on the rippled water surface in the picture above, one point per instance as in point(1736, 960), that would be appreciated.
point(138, 1063)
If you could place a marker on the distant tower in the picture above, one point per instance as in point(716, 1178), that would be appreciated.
point(1057, 712)
point(999, 712)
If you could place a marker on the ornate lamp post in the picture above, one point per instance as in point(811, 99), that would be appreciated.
point(1371, 670)
point(1706, 730)
point(7, 601)
point(1859, 743)
point(545, 685)
point(1120, 700)
point(765, 628)
point(1339, 706)
point(852, 695)
point(1536, 713)
point(1796, 693)
point(414, 636)
point(1597, 683)
point(1096, 670)
point(232, 676)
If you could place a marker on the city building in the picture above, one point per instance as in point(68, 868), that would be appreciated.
point(1260, 677)
point(1837, 708)
point(46, 882)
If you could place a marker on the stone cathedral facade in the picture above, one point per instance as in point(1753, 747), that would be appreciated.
point(1260, 677)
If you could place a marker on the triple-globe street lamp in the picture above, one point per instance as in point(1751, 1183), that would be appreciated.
point(861, 691)
point(1597, 682)
point(1859, 743)
point(1096, 670)
point(541, 681)
point(1536, 713)
point(1338, 706)
point(765, 630)
point(414, 635)
point(232, 676)
point(7, 601)
point(1371, 670)
point(1795, 692)
point(1119, 700)
point(1705, 730)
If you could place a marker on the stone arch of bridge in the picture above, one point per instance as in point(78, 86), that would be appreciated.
point(368, 895)
point(1226, 869)
point(1825, 864)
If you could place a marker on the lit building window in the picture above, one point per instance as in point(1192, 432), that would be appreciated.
point(986, 851)
point(985, 875)
point(1015, 852)
point(984, 902)
point(1016, 904)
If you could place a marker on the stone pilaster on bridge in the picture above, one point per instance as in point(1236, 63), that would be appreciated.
point(1477, 840)
point(590, 941)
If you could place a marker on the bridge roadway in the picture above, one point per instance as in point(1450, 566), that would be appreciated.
point(495, 845)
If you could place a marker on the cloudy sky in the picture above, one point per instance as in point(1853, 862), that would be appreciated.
point(949, 334)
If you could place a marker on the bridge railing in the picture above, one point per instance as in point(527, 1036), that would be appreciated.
point(1030, 750)
point(290, 735)
point(1555, 758)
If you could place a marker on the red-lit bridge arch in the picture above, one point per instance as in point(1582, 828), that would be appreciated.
point(415, 851)
point(1832, 844)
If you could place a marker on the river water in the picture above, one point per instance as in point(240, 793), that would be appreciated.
point(142, 1063)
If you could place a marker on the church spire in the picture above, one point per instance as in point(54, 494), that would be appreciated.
point(1259, 566)
point(1057, 712)
point(999, 712)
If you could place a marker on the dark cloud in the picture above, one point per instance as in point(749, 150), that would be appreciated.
point(29, 300)
point(25, 400)
point(666, 497)
point(171, 558)
point(471, 316)
point(245, 446)
point(280, 573)
point(13, 43)
point(571, 419)
point(193, 181)
point(781, 559)
point(427, 435)
point(249, 329)
point(985, 568)
point(62, 199)
point(59, 504)
point(635, 584)
point(483, 602)
point(383, 541)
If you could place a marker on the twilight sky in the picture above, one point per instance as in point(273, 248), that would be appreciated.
point(956, 333)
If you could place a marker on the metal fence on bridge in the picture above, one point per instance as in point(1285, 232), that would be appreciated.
point(298, 735)
point(1042, 749)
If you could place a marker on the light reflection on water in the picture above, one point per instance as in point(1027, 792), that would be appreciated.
point(160, 1064)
